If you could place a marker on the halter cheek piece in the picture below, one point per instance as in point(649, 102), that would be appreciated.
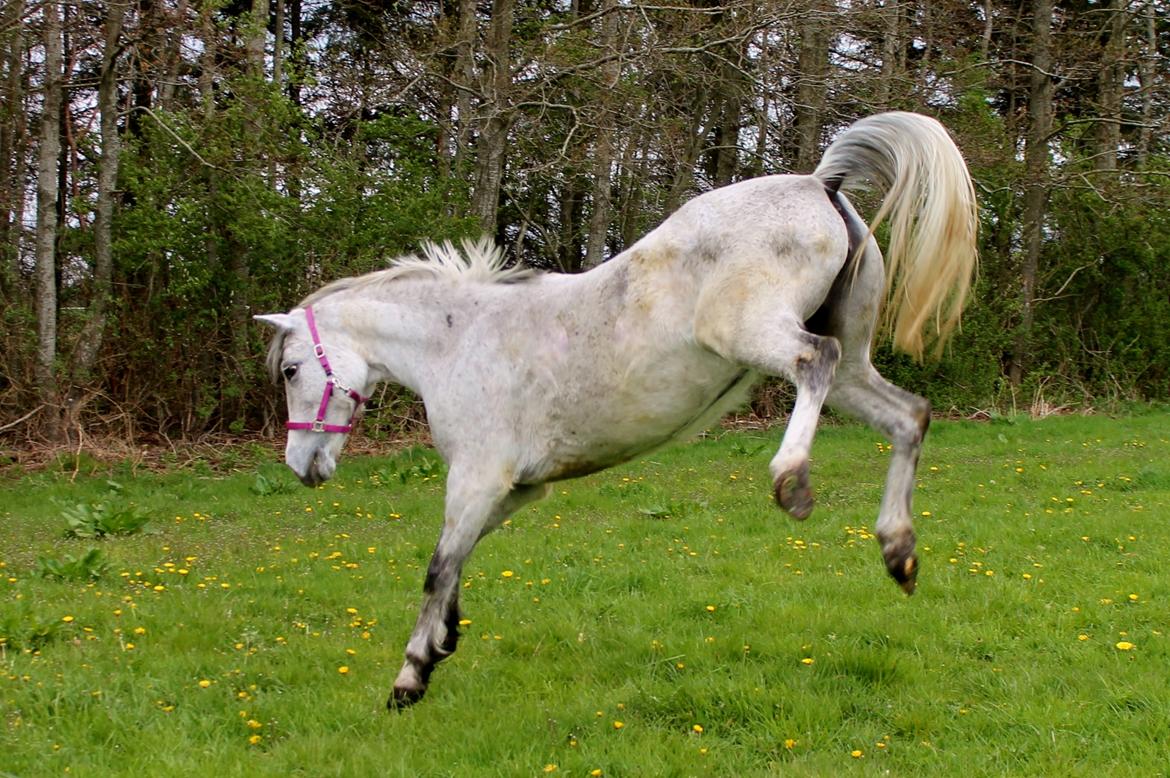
point(331, 382)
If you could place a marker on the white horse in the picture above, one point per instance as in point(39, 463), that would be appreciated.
point(530, 378)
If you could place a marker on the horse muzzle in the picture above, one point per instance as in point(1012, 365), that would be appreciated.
point(315, 469)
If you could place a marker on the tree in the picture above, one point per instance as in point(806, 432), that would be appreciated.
point(493, 136)
point(48, 190)
point(1036, 155)
point(90, 342)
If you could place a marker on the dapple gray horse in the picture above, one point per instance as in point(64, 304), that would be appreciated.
point(530, 378)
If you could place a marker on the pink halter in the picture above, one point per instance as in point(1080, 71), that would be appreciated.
point(331, 381)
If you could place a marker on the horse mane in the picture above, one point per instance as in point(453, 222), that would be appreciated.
point(480, 261)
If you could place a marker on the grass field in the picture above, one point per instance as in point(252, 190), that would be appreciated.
point(662, 618)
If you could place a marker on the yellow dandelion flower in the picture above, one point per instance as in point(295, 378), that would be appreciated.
point(67, 619)
point(253, 724)
point(710, 609)
point(808, 660)
point(140, 630)
point(204, 683)
point(697, 729)
point(255, 740)
point(596, 773)
point(789, 743)
point(1125, 645)
point(344, 669)
point(856, 753)
point(1082, 637)
point(550, 768)
point(618, 724)
point(507, 574)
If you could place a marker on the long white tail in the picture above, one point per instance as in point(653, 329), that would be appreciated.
point(930, 202)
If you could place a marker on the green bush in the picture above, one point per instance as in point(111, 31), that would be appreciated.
point(102, 519)
point(88, 567)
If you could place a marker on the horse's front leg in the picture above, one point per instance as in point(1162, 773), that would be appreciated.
point(473, 509)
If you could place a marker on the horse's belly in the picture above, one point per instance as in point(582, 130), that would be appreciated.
point(592, 436)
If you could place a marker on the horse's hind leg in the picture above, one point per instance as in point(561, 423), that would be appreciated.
point(903, 418)
point(475, 506)
point(849, 314)
point(811, 371)
point(777, 344)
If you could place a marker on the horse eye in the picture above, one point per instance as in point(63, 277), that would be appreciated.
point(289, 371)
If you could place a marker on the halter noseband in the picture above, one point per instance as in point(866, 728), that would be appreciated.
point(331, 381)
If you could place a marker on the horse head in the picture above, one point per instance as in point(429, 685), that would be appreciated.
point(319, 384)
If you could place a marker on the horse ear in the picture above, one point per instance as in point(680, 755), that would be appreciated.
point(281, 321)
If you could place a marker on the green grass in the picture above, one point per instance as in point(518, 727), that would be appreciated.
point(665, 594)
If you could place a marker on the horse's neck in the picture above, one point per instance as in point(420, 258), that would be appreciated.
point(407, 330)
point(399, 332)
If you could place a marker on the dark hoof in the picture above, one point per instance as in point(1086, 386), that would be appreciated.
point(401, 699)
point(793, 493)
point(903, 568)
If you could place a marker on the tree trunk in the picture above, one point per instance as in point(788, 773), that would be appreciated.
point(278, 45)
point(48, 187)
point(173, 56)
point(682, 177)
point(1110, 87)
point(1147, 75)
point(143, 88)
point(493, 137)
point(813, 66)
point(296, 51)
point(12, 140)
point(90, 342)
point(603, 151)
point(988, 30)
point(891, 46)
point(728, 119)
point(465, 84)
point(257, 37)
point(1036, 179)
point(763, 119)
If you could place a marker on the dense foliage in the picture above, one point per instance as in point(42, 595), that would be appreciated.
point(211, 159)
